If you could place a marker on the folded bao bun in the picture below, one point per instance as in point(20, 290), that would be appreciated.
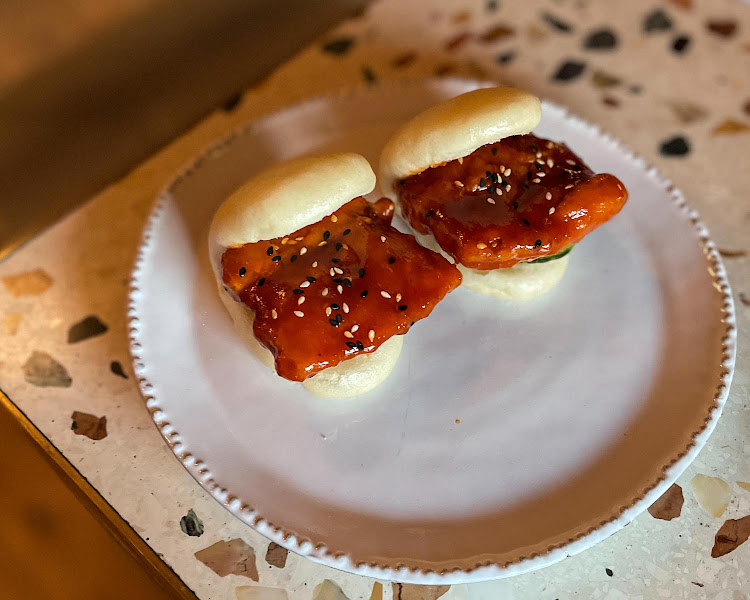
point(273, 204)
point(454, 129)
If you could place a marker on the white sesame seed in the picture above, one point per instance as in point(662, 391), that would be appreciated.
point(458, 184)
point(570, 185)
point(301, 300)
point(329, 310)
point(539, 155)
point(491, 200)
point(348, 334)
point(541, 174)
point(481, 246)
point(340, 289)
point(299, 313)
point(552, 210)
point(385, 294)
point(460, 160)
point(304, 284)
point(334, 218)
point(570, 162)
point(398, 297)
point(550, 163)
point(345, 306)
point(345, 247)
point(536, 180)
point(502, 168)
point(338, 271)
point(549, 145)
point(332, 272)
point(382, 238)
point(507, 188)
point(324, 292)
point(292, 242)
point(274, 314)
point(323, 243)
point(507, 172)
point(355, 328)
point(299, 239)
point(371, 334)
point(499, 192)
point(302, 251)
point(285, 240)
point(548, 195)
point(315, 264)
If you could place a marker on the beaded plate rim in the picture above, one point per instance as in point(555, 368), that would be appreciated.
point(447, 573)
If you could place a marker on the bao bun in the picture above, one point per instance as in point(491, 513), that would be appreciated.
point(454, 129)
point(279, 201)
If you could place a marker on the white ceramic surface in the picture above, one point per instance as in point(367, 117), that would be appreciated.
point(508, 436)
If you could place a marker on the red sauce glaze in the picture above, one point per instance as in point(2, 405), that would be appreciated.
point(337, 288)
point(484, 224)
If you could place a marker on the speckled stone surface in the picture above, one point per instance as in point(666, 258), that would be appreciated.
point(671, 79)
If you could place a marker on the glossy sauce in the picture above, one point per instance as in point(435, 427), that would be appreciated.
point(519, 199)
point(337, 288)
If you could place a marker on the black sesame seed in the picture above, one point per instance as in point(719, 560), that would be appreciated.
point(335, 261)
point(276, 258)
point(333, 322)
point(537, 243)
point(494, 152)
point(525, 222)
point(347, 231)
point(335, 306)
point(360, 345)
point(412, 323)
point(525, 185)
point(482, 182)
point(351, 345)
point(361, 272)
point(539, 166)
point(495, 178)
point(297, 291)
point(529, 175)
point(391, 260)
point(348, 282)
point(269, 251)
point(429, 213)
point(402, 307)
point(338, 318)
point(326, 235)
point(261, 281)
point(534, 147)
point(294, 257)
point(243, 270)
point(338, 280)
point(493, 189)
point(339, 245)
point(515, 205)
point(363, 294)
point(311, 279)
point(488, 174)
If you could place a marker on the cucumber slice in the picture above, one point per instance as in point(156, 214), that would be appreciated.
point(560, 254)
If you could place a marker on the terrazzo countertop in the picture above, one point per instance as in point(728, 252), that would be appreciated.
point(672, 80)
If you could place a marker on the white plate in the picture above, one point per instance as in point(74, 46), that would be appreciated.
point(577, 410)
